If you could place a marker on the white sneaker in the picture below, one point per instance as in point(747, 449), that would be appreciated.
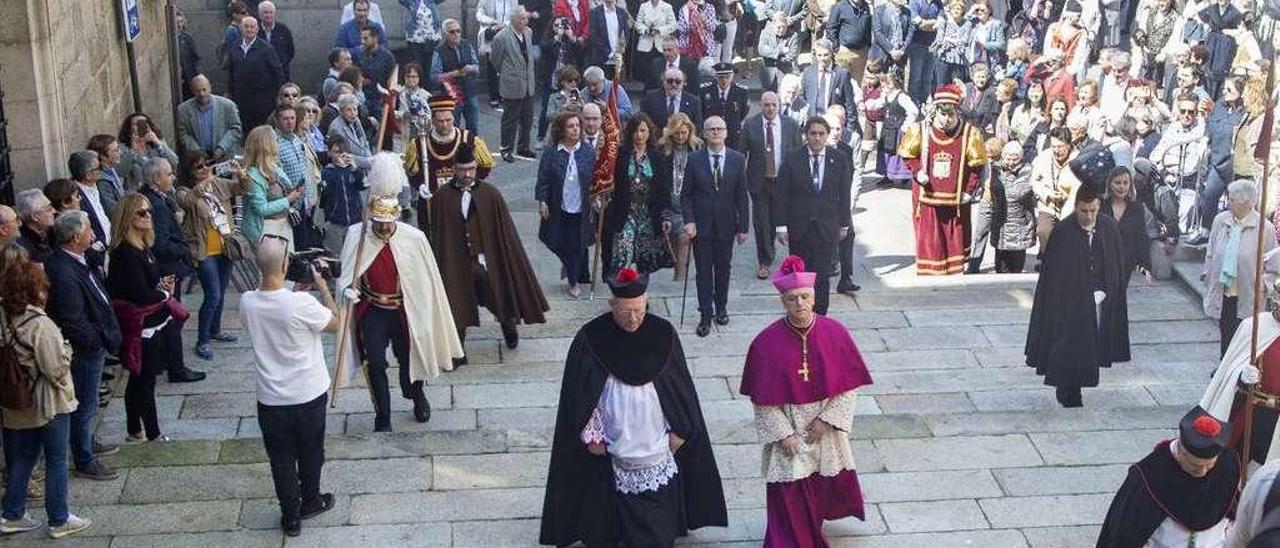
point(22, 525)
point(74, 525)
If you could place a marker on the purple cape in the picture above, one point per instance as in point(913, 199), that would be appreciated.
point(771, 375)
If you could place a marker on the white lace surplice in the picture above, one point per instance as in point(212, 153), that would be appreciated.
point(829, 455)
point(629, 421)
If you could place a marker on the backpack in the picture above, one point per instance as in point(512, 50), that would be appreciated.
point(17, 380)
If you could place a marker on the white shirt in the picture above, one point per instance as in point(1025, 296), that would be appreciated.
point(715, 159)
point(244, 46)
point(822, 165)
point(285, 328)
point(571, 194)
point(611, 23)
point(629, 421)
point(95, 203)
point(466, 203)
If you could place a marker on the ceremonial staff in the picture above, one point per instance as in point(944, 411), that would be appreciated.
point(388, 105)
point(346, 310)
point(1254, 394)
point(606, 158)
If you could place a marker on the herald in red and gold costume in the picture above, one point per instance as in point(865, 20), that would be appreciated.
point(947, 159)
point(432, 153)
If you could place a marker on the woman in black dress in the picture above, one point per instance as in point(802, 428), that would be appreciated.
point(638, 218)
point(135, 285)
point(1137, 224)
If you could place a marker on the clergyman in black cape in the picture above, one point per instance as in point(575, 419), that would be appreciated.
point(1182, 494)
point(1080, 317)
point(631, 461)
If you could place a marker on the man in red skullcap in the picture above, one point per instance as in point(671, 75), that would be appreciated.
point(801, 374)
point(947, 156)
point(1181, 494)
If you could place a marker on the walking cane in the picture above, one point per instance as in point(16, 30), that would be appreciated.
point(684, 294)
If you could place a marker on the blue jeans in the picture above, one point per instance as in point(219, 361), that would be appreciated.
point(470, 111)
point(214, 273)
point(21, 449)
point(86, 372)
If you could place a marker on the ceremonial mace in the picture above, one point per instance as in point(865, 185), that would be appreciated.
point(1254, 394)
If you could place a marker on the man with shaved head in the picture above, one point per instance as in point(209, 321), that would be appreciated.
point(8, 225)
point(254, 74)
point(766, 136)
point(208, 123)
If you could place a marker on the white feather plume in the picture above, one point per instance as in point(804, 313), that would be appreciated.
point(386, 175)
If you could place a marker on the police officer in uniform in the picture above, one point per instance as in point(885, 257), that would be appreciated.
point(725, 99)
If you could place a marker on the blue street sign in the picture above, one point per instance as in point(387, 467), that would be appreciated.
point(132, 19)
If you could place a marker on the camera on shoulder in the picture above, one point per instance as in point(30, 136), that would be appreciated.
point(301, 263)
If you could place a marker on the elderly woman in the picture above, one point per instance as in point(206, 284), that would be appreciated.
point(1231, 257)
point(566, 98)
point(287, 94)
point(140, 139)
point(638, 218)
point(348, 127)
point(46, 425)
point(206, 223)
point(1013, 210)
point(952, 45)
point(1137, 224)
point(267, 202)
point(308, 111)
point(679, 139)
point(151, 335)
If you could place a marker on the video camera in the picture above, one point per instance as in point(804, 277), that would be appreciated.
point(301, 263)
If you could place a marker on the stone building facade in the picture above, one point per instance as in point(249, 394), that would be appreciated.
point(65, 77)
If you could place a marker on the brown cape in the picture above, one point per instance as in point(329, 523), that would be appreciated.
point(512, 292)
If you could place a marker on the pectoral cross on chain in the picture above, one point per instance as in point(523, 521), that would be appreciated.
point(804, 371)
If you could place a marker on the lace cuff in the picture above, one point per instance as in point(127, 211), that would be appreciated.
point(838, 411)
point(650, 478)
point(594, 431)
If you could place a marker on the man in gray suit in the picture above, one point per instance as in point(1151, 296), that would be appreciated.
point(208, 122)
point(766, 138)
point(511, 53)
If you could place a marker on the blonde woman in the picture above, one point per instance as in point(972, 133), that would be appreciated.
point(151, 336)
point(268, 200)
point(679, 138)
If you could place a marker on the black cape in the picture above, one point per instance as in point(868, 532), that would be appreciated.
point(580, 496)
point(1061, 340)
point(1157, 488)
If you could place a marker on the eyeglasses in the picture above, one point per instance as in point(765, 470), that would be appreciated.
point(674, 81)
point(1186, 111)
point(205, 164)
point(143, 213)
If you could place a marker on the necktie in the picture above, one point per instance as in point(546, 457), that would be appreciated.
point(671, 106)
point(822, 92)
point(715, 172)
point(770, 170)
point(817, 180)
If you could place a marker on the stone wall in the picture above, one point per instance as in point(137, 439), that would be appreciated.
point(314, 24)
point(65, 76)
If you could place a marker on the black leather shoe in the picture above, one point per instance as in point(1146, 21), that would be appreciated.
point(846, 286)
point(459, 362)
point(512, 337)
point(722, 318)
point(381, 424)
point(292, 526)
point(421, 407)
point(704, 326)
point(508, 157)
point(186, 375)
point(320, 506)
point(526, 155)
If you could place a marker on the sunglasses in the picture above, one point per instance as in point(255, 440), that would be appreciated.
point(1186, 111)
point(207, 164)
point(143, 213)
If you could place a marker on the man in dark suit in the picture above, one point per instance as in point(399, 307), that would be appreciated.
point(660, 104)
point(277, 34)
point(825, 84)
point(714, 200)
point(727, 100)
point(671, 59)
point(254, 75)
point(765, 136)
point(609, 34)
point(891, 33)
point(79, 304)
point(813, 201)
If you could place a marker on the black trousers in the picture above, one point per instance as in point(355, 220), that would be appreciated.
point(294, 439)
point(762, 224)
point(422, 53)
point(818, 255)
point(140, 393)
point(1228, 321)
point(175, 361)
point(846, 256)
point(517, 124)
point(378, 328)
point(1010, 261)
point(713, 257)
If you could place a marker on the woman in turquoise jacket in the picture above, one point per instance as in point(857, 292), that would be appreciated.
point(267, 203)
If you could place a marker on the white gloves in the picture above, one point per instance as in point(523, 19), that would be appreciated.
point(1250, 375)
point(424, 192)
point(1099, 296)
point(351, 293)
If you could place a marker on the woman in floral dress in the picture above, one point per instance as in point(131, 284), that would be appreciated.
point(638, 218)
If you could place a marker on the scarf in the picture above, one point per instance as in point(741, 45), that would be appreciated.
point(1230, 255)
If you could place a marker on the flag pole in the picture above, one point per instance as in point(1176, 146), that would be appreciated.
point(1263, 152)
point(601, 193)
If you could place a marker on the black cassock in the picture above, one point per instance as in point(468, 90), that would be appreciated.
point(1065, 342)
point(581, 503)
point(1157, 488)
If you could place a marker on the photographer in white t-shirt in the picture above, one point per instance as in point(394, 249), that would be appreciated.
point(293, 380)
